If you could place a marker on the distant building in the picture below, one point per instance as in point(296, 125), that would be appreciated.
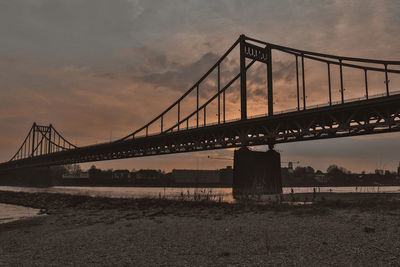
point(398, 170)
point(148, 175)
point(196, 176)
point(320, 177)
point(226, 175)
point(121, 174)
point(285, 173)
point(80, 175)
point(290, 167)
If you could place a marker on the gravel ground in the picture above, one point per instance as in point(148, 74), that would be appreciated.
point(203, 235)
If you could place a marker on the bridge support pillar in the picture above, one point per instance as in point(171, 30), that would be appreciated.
point(256, 172)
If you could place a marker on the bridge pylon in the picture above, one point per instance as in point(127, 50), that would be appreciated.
point(260, 54)
point(41, 140)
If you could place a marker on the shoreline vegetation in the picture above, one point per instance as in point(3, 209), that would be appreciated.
point(359, 229)
point(56, 201)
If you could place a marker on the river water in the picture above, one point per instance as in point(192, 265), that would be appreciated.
point(10, 213)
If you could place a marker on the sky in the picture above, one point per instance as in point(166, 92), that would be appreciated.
point(98, 69)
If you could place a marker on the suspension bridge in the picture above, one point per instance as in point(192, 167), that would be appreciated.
point(370, 114)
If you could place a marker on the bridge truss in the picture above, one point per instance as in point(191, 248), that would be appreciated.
point(42, 140)
point(369, 115)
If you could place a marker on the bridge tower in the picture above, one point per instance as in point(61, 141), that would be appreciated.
point(256, 172)
point(257, 53)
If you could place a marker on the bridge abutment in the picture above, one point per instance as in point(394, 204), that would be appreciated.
point(256, 172)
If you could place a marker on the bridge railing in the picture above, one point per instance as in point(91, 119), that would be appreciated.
point(341, 61)
point(261, 54)
point(45, 139)
point(264, 115)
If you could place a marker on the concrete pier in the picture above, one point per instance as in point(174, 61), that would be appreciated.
point(256, 172)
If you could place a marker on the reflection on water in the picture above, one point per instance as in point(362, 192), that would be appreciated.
point(10, 213)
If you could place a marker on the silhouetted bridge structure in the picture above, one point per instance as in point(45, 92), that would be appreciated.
point(44, 146)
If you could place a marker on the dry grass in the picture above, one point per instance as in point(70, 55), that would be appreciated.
point(51, 202)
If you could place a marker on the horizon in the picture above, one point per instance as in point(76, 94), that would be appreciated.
point(231, 166)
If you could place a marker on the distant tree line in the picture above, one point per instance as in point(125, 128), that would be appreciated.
point(336, 176)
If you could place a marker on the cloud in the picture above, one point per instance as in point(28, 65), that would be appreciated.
point(95, 67)
point(181, 77)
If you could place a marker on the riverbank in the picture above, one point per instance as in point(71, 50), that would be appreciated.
point(84, 231)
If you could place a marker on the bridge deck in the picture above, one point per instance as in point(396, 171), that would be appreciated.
point(359, 117)
point(372, 116)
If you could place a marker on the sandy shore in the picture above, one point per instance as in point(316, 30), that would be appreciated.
point(85, 231)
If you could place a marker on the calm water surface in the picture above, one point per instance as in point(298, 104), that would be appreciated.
point(10, 213)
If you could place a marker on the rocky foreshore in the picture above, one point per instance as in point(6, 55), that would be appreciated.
point(94, 231)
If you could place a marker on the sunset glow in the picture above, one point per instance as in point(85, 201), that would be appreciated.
point(98, 72)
